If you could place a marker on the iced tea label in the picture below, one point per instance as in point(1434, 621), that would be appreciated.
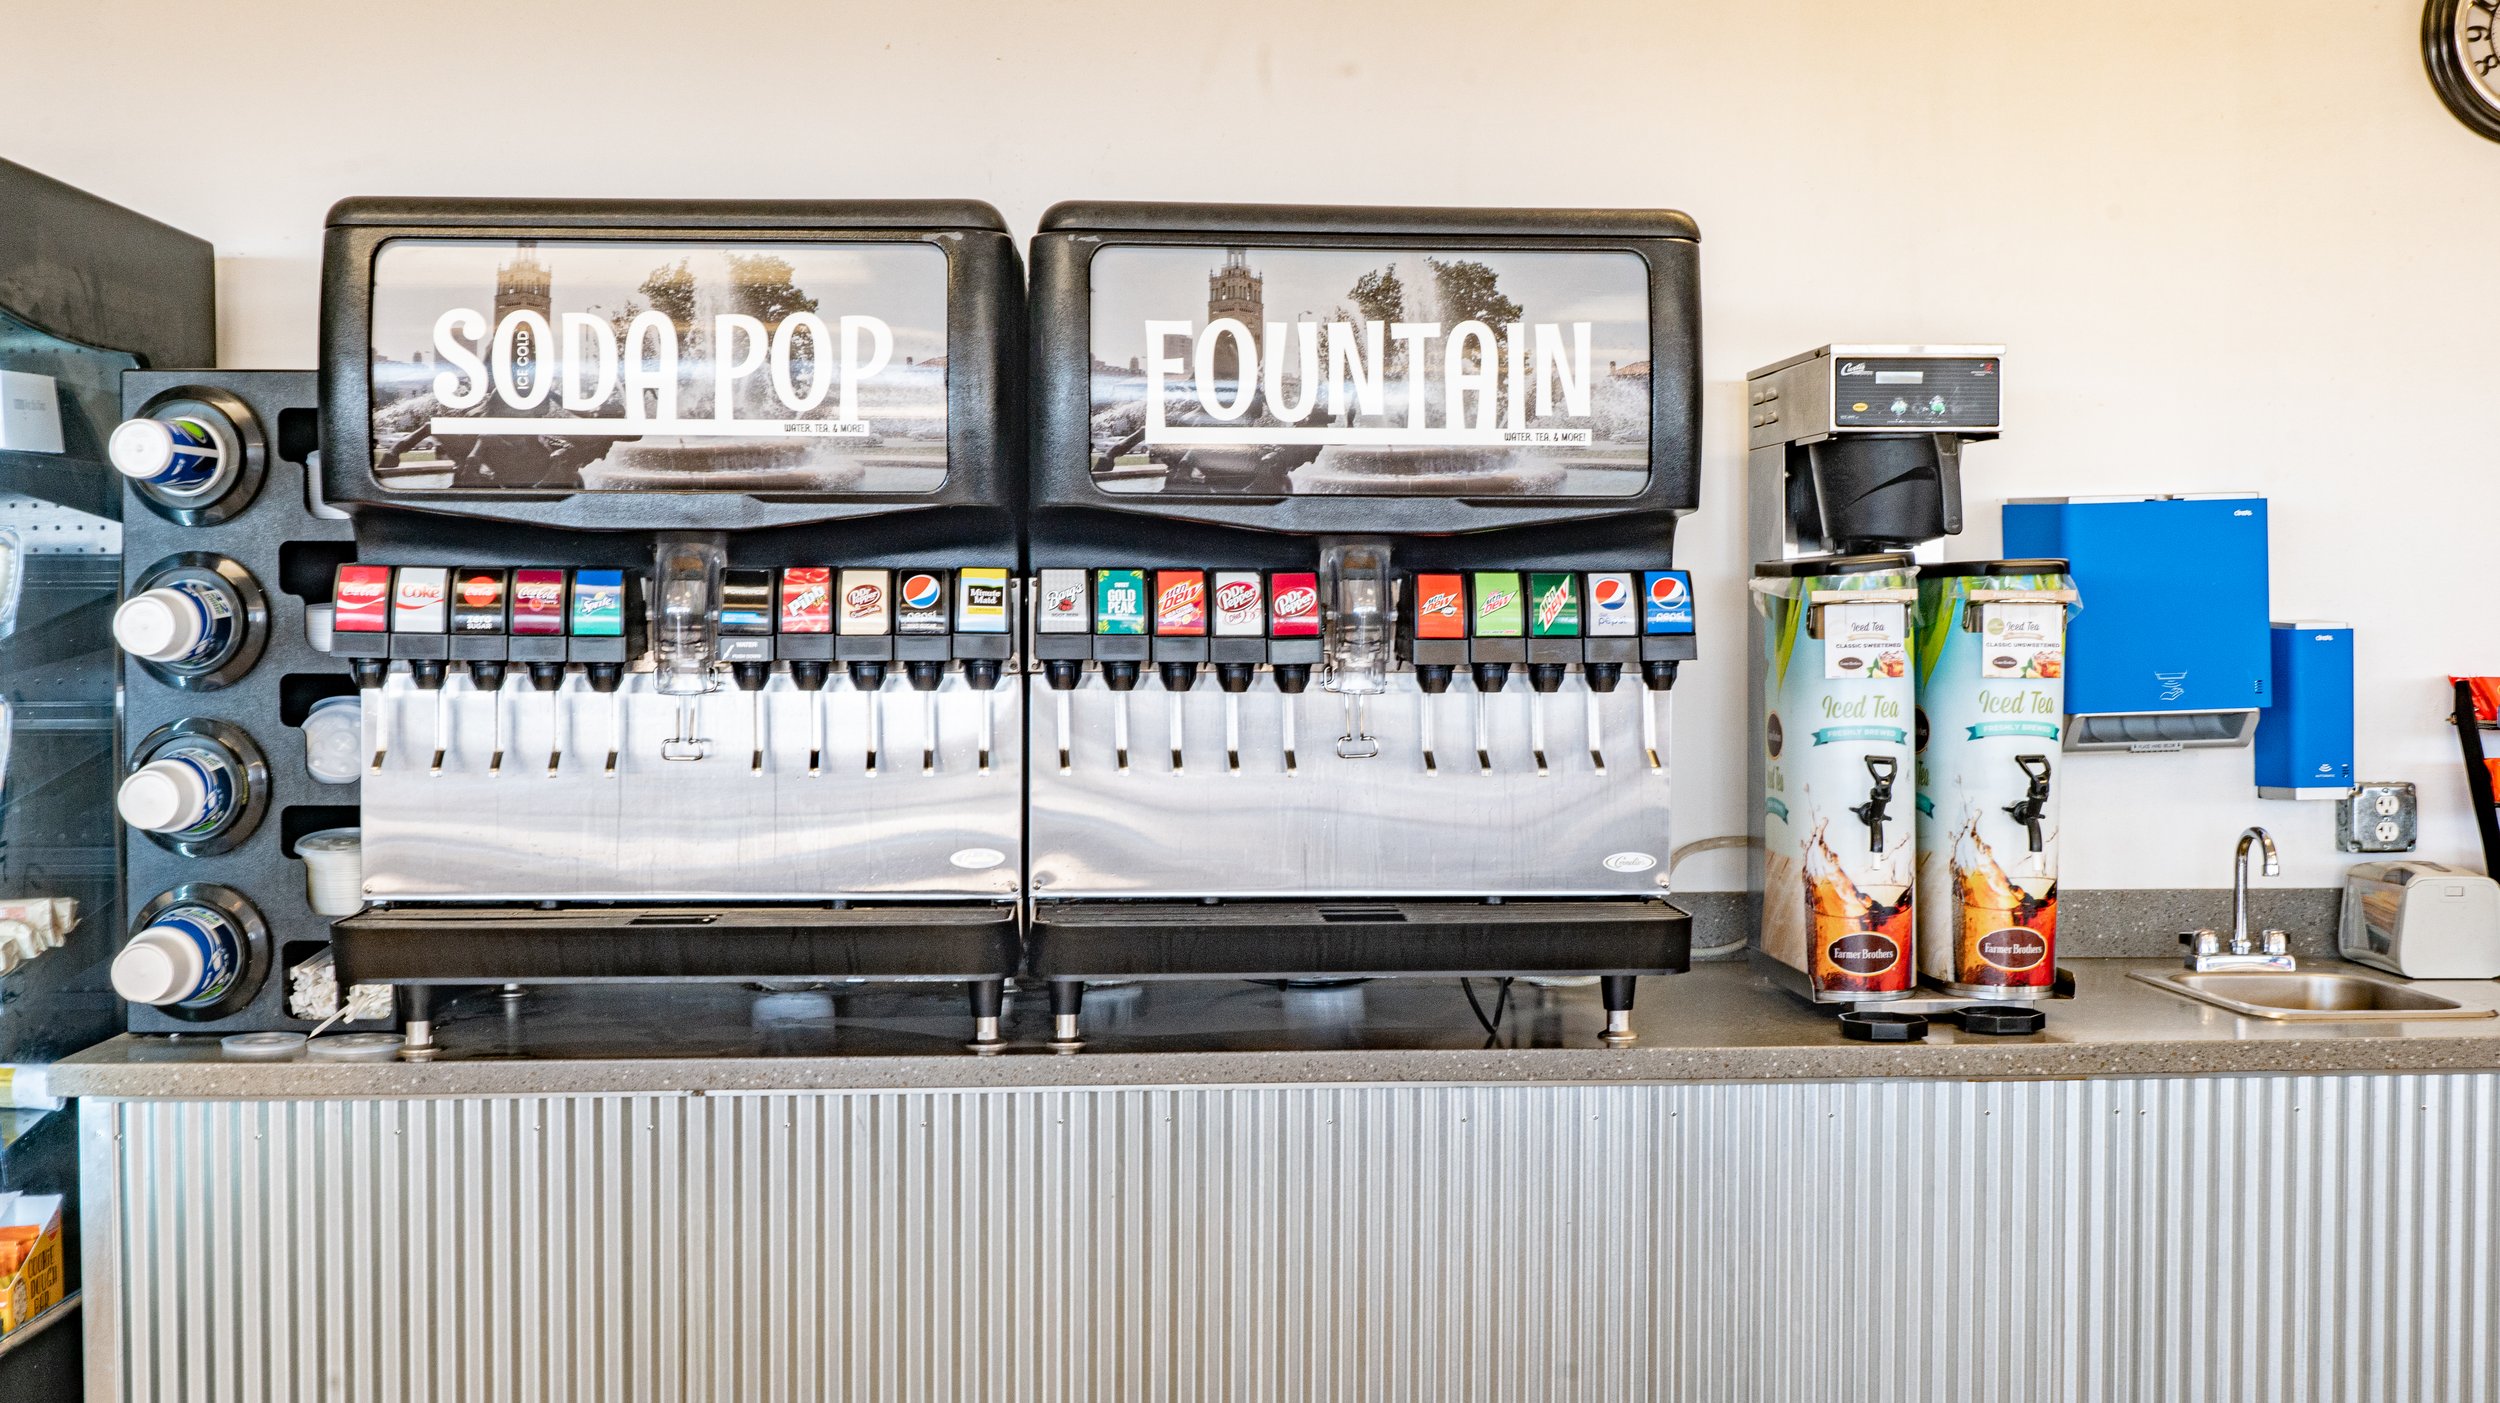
point(1119, 601)
point(807, 599)
point(1062, 603)
point(1865, 640)
point(2022, 639)
point(623, 365)
point(1293, 609)
point(1450, 372)
point(981, 600)
point(1240, 604)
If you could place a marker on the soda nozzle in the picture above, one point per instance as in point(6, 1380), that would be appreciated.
point(810, 677)
point(1489, 678)
point(1602, 678)
point(1234, 679)
point(1544, 679)
point(486, 675)
point(370, 674)
point(924, 677)
point(750, 678)
point(1121, 678)
point(428, 674)
point(608, 680)
point(1878, 800)
point(1657, 677)
point(869, 676)
point(549, 678)
point(981, 675)
point(2033, 806)
point(1178, 677)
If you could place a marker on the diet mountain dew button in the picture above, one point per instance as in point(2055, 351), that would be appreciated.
point(1557, 609)
point(1119, 601)
point(598, 603)
point(1500, 612)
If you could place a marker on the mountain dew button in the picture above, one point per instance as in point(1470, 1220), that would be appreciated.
point(1119, 601)
point(1557, 606)
point(1498, 611)
point(598, 603)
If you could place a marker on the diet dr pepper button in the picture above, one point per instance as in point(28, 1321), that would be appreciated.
point(1120, 601)
point(1063, 606)
point(981, 600)
point(1668, 602)
point(1611, 614)
point(362, 595)
point(537, 602)
point(867, 602)
point(920, 602)
point(807, 599)
point(1181, 603)
point(1440, 606)
point(1240, 605)
point(1293, 604)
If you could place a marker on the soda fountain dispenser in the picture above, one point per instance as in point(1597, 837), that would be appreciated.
point(1363, 453)
point(625, 449)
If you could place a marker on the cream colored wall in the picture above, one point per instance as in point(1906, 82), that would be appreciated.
point(2227, 245)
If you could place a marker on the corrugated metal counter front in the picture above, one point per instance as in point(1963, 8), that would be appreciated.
point(1396, 1217)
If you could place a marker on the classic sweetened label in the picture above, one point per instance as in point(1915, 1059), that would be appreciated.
point(1448, 372)
point(629, 365)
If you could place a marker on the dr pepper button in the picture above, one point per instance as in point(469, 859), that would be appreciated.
point(2003, 1020)
point(1877, 1026)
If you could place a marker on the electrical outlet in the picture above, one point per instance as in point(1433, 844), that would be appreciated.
point(2377, 817)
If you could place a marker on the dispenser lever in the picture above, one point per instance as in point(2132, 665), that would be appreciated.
point(1878, 799)
point(2030, 809)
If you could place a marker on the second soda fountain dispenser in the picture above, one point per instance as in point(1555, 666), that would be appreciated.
point(1350, 459)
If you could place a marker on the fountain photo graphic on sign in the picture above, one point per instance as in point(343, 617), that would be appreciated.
point(1370, 372)
point(628, 366)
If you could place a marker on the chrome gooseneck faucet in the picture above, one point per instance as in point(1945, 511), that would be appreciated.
point(2265, 950)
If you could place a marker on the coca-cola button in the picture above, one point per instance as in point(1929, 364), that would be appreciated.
point(2014, 948)
point(1865, 953)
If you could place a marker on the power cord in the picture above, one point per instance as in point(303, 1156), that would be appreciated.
point(1501, 1005)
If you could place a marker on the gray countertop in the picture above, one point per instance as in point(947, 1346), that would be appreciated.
point(1721, 1022)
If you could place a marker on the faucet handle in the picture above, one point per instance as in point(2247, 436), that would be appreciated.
point(2207, 941)
point(2277, 942)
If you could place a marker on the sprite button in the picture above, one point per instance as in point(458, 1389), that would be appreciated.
point(1119, 601)
point(1557, 606)
point(1500, 611)
point(598, 603)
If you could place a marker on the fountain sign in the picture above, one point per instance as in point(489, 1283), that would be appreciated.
point(1370, 371)
point(640, 365)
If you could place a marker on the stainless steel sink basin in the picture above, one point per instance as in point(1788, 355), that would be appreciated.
point(2310, 997)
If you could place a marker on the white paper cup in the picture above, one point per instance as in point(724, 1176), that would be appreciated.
point(320, 620)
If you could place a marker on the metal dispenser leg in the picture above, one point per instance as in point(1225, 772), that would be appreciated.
point(1615, 991)
point(989, 1002)
point(1067, 1000)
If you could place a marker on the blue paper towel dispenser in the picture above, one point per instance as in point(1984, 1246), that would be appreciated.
point(2171, 648)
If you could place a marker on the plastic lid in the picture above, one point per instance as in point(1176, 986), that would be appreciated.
point(1954, 569)
point(331, 840)
point(1879, 1026)
point(2003, 1020)
point(262, 1047)
point(159, 625)
point(163, 796)
point(140, 448)
point(333, 704)
point(158, 966)
point(355, 1047)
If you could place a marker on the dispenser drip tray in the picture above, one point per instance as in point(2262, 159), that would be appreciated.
point(589, 944)
point(1384, 938)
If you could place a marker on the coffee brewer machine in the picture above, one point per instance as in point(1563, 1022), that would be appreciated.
point(670, 550)
point(1353, 605)
point(1855, 464)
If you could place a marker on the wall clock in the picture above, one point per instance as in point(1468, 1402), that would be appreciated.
point(2461, 48)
